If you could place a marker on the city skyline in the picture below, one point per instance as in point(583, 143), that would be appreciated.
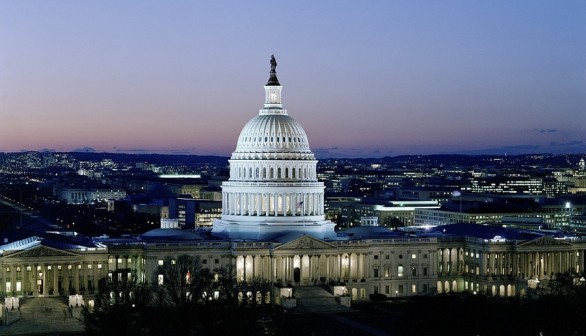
point(364, 80)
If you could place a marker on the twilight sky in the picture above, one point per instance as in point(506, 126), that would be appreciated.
point(364, 78)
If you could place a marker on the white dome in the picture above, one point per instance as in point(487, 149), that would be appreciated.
point(273, 187)
point(272, 136)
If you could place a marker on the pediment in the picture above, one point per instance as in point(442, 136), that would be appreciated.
point(306, 243)
point(41, 251)
point(545, 241)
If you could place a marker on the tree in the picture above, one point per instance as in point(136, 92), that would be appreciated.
point(118, 306)
point(183, 298)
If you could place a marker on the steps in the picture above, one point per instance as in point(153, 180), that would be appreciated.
point(316, 299)
point(43, 316)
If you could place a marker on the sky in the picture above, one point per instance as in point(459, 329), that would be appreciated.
point(363, 78)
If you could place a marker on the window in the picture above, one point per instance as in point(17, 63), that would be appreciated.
point(119, 260)
point(205, 261)
point(413, 289)
point(387, 256)
point(400, 270)
point(400, 290)
point(387, 289)
point(425, 256)
point(413, 256)
point(376, 272)
point(375, 257)
point(99, 265)
point(216, 261)
point(424, 271)
point(161, 262)
point(160, 279)
point(425, 288)
point(414, 271)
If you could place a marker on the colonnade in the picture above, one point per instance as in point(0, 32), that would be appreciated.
point(450, 261)
point(51, 278)
point(273, 204)
point(304, 268)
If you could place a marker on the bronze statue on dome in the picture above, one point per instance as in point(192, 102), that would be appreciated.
point(273, 64)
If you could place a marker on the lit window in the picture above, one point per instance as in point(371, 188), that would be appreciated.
point(69, 267)
point(173, 262)
point(49, 267)
point(160, 262)
point(413, 256)
point(78, 266)
point(58, 267)
point(129, 260)
point(414, 288)
point(38, 268)
point(99, 265)
point(89, 266)
point(28, 268)
point(110, 260)
point(120, 260)
point(400, 270)
point(160, 279)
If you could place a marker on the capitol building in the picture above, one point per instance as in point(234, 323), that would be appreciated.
point(273, 227)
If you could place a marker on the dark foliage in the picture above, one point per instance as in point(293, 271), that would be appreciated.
point(191, 300)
